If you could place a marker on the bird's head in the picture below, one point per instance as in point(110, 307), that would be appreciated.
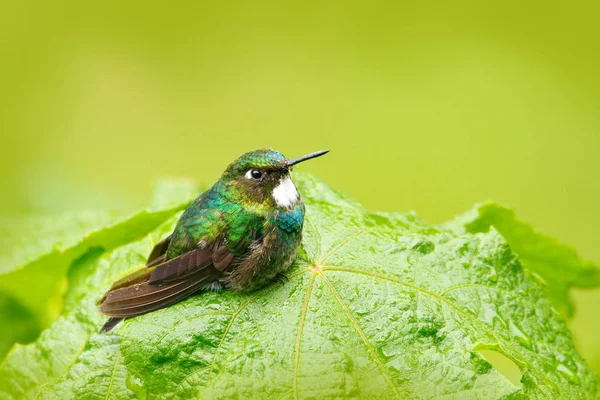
point(263, 176)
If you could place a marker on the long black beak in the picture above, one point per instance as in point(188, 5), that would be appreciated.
point(294, 161)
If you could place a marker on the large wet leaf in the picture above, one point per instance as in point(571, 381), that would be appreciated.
point(557, 265)
point(378, 305)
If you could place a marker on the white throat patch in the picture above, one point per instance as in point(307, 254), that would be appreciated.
point(285, 194)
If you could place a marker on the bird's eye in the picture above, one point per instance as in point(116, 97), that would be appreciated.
point(254, 174)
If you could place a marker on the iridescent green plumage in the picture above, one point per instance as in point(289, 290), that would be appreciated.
point(240, 234)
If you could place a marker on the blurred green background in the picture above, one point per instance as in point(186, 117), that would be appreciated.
point(430, 106)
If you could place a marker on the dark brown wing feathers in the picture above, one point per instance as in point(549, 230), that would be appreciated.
point(141, 275)
point(157, 256)
point(222, 258)
point(179, 268)
point(144, 297)
point(164, 284)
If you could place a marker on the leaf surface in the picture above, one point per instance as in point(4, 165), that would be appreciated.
point(378, 305)
point(557, 265)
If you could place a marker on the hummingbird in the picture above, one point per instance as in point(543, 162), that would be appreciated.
point(240, 234)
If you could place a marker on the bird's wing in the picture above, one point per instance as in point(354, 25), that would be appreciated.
point(188, 264)
point(162, 285)
point(157, 256)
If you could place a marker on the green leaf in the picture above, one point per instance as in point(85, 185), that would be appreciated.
point(557, 265)
point(71, 360)
point(40, 250)
point(17, 322)
point(378, 305)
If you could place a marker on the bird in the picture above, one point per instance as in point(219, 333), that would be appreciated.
point(239, 235)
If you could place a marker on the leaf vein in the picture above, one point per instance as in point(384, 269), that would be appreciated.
point(230, 323)
point(300, 330)
point(112, 377)
point(341, 244)
point(362, 335)
point(541, 375)
point(317, 233)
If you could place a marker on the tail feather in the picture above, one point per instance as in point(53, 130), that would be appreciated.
point(111, 323)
